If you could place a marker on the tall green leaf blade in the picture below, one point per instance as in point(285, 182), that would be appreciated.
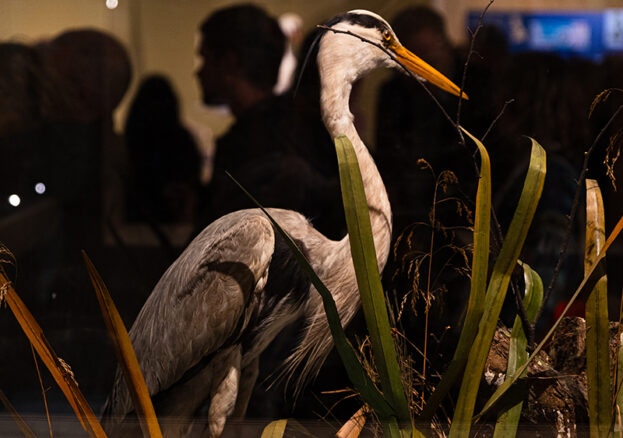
point(506, 425)
point(496, 291)
point(357, 375)
point(590, 276)
point(475, 305)
point(618, 421)
point(353, 427)
point(598, 333)
point(368, 277)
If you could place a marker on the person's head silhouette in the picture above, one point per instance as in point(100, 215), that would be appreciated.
point(94, 69)
point(241, 50)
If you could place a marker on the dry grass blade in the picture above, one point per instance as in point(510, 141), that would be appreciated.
point(59, 370)
point(275, 429)
point(602, 97)
point(598, 337)
point(23, 426)
point(45, 399)
point(125, 355)
point(618, 394)
point(353, 427)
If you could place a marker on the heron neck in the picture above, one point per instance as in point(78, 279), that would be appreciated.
point(339, 120)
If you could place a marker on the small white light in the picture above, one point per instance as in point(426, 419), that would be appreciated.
point(14, 200)
point(112, 4)
point(40, 188)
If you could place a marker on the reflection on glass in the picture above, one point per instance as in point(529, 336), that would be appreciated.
point(40, 188)
point(14, 200)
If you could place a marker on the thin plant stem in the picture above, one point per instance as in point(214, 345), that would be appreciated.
point(45, 400)
point(468, 59)
point(508, 102)
point(430, 267)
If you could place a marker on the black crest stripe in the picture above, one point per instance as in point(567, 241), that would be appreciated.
point(363, 20)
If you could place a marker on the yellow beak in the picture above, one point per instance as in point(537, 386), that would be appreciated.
point(426, 71)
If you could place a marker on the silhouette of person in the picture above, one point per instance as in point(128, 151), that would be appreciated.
point(290, 24)
point(406, 132)
point(552, 96)
point(94, 71)
point(422, 163)
point(94, 67)
point(27, 218)
point(163, 156)
point(67, 89)
point(28, 98)
point(265, 149)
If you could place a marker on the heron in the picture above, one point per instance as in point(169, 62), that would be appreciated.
point(199, 335)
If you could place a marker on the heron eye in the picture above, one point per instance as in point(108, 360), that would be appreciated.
point(387, 35)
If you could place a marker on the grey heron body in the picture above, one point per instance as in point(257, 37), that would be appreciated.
point(199, 335)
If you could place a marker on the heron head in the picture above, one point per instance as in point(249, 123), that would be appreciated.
point(346, 53)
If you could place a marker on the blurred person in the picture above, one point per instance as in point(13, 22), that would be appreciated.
point(423, 31)
point(163, 156)
point(552, 97)
point(27, 219)
point(240, 70)
point(487, 63)
point(59, 97)
point(407, 133)
point(430, 181)
point(290, 24)
point(28, 99)
point(265, 150)
point(94, 71)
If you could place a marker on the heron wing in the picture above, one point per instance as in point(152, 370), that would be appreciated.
point(200, 303)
